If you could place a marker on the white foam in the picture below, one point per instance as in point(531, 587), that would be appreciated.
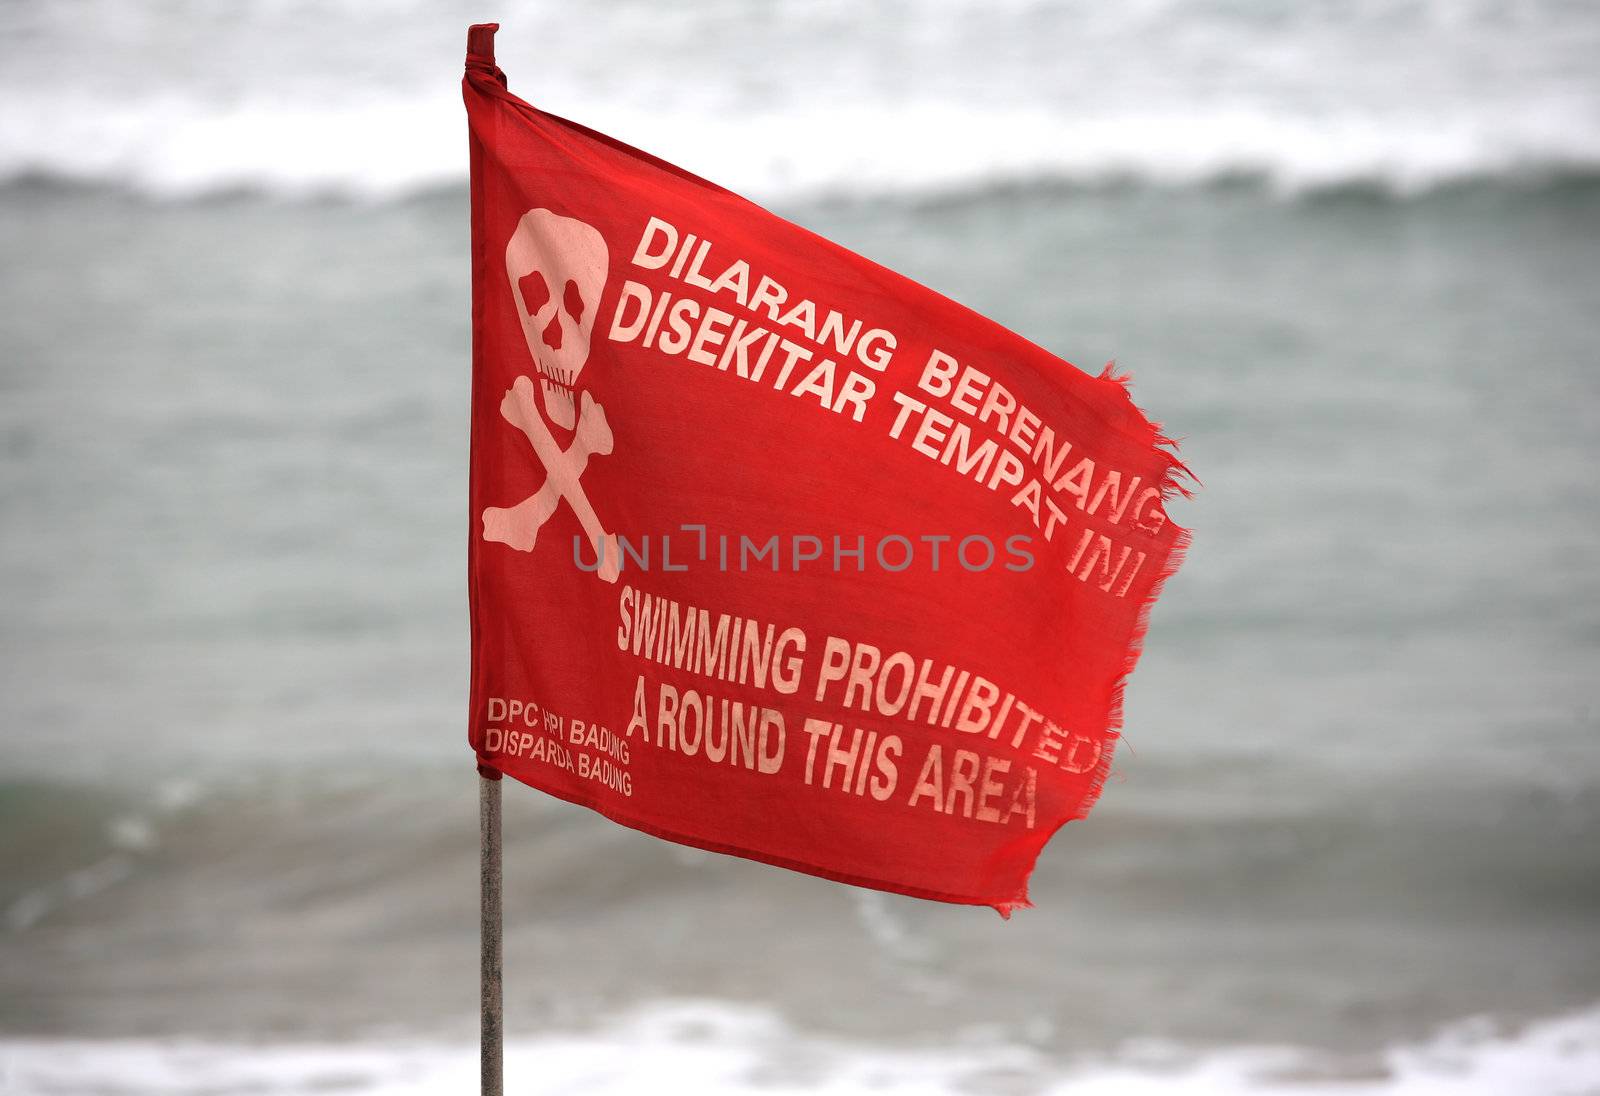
point(826, 98)
point(712, 1049)
point(378, 148)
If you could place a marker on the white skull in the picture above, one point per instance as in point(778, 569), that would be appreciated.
point(557, 266)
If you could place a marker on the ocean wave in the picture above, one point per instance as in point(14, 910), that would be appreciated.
point(381, 149)
point(127, 839)
point(812, 98)
point(715, 1049)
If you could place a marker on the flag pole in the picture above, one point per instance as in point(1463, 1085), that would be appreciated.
point(490, 1053)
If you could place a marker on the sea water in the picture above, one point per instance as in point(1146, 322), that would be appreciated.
point(1348, 253)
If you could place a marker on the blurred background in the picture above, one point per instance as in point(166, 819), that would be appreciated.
point(1349, 253)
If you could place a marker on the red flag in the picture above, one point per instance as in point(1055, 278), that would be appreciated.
point(773, 551)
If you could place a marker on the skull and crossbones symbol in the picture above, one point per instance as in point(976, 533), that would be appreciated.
point(557, 268)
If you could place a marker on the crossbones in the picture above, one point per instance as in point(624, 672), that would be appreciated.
point(519, 525)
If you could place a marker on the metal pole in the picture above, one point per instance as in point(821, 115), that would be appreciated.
point(489, 1044)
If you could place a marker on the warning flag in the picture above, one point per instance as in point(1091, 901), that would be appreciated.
point(773, 551)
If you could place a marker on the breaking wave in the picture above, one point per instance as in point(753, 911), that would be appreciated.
point(714, 1049)
point(170, 147)
point(789, 98)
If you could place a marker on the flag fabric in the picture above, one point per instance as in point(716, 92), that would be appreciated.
point(773, 551)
